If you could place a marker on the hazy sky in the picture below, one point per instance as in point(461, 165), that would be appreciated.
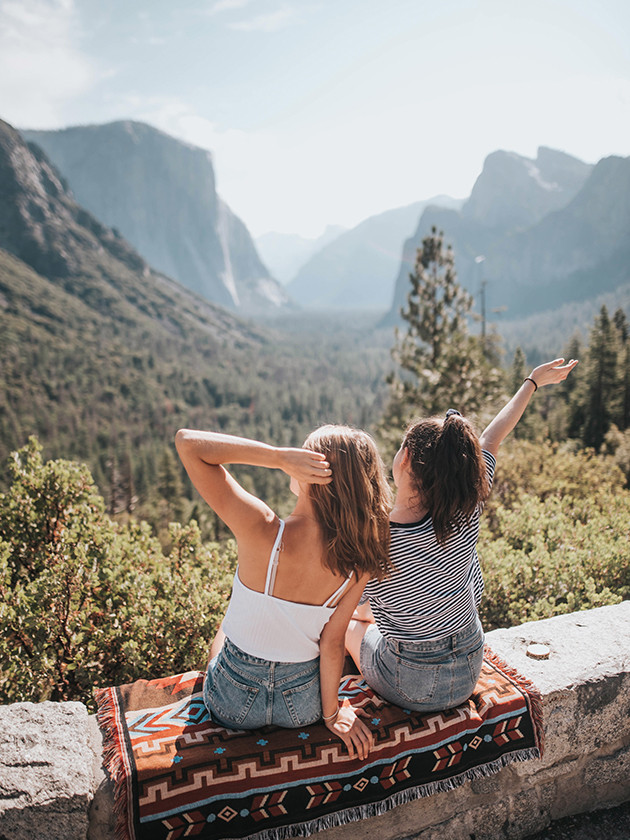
point(328, 111)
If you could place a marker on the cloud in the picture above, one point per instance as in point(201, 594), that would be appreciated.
point(267, 21)
point(41, 67)
point(227, 6)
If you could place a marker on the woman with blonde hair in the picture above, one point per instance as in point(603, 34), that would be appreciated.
point(421, 643)
point(279, 656)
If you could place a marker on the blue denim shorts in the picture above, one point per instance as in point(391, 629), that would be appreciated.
point(423, 676)
point(244, 692)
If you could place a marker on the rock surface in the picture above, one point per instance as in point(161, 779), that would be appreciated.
point(46, 771)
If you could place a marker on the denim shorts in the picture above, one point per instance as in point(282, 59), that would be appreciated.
point(423, 676)
point(244, 692)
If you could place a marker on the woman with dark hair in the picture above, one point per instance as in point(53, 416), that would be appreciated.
point(421, 645)
point(279, 656)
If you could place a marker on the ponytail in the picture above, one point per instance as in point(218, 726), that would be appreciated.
point(449, 469)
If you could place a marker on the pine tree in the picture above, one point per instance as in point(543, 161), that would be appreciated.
point(441, 364)
point(526, 427)
point(623, 336)
point(601, 381)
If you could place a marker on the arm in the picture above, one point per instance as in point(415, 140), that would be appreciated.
point(343, 720)
point(364, 613)
point(499, 428)
point(204, 453)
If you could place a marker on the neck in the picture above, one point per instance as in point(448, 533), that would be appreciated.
point(304, 508)
point(408, 506)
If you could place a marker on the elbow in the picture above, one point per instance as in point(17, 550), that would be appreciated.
point(183, 438)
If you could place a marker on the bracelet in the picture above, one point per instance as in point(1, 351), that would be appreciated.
point(529, 379)
point(330, 717)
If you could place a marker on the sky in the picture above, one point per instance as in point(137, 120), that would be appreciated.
point(323, 112)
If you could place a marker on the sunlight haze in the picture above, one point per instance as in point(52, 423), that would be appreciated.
point(328, 112)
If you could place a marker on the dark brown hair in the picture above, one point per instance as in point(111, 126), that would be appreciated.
point(353, 510)
point(449, 469)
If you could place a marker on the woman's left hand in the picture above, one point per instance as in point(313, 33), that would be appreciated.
point(352, 731)
point(305, 465)
point(552, 372)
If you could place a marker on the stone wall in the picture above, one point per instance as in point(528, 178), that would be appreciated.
point(52, 785)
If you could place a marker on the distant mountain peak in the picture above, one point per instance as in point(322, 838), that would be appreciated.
point(515, 192)
point(160, 192)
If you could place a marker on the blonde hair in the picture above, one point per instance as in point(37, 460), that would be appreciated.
point(353, 510)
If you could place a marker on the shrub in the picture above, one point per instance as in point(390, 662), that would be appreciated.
point(85, 601)
point(557, 537)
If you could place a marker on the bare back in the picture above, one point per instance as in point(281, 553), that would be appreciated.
point(301, 576)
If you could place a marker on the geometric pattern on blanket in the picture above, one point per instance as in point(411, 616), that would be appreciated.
point(177, 774)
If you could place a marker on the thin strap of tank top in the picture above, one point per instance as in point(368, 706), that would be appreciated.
point(272, 566)
point(272, 569)
point(338, 592)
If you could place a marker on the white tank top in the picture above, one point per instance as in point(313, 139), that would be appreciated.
point(273, 629)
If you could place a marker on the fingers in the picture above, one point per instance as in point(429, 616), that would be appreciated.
point(321, 472)
point(362, 739)
point(358, 739)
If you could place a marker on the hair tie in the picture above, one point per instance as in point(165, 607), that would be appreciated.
point(452, 411)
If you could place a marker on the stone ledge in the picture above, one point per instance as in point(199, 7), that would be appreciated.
point(52, 783)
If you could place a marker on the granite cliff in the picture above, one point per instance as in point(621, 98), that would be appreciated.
point(160, 193)
point(551, 230)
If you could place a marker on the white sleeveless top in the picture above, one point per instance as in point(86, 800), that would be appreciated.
point(271, 628)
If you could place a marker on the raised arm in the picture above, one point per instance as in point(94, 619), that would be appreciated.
point(498, 429)
point(203, 454)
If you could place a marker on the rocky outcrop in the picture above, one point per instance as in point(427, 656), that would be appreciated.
point(160, 193)
point(514, 192)
point(75, 254)
point(553, 224)
point(52, 783)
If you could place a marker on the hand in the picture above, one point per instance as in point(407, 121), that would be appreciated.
point(305, 465)
point(352, 731)
point(552, 372)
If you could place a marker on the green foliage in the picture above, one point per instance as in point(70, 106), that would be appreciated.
point(111, 391)
point(600, 397)
point(555, 535)
point(85, 601)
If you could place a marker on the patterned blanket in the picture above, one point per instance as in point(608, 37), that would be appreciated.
point(177, 774)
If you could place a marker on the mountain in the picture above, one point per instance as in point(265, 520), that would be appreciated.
point(562, 236)
point(285, 253)
point(103, 358)
point(356, 270)
point(515, 192)
point(160, 194)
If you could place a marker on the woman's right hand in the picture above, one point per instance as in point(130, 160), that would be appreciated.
point(305, 465)
point(352, 731)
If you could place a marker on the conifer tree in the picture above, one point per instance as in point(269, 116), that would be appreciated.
point(601, 381)
point(527, 425)
point(441, 364)
point(623, 337)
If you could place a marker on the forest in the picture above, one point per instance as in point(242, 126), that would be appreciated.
point(111, 568)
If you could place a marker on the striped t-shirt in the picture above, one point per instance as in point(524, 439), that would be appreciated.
point(434, 590)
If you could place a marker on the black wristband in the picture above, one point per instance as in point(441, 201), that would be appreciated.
point(529, 379)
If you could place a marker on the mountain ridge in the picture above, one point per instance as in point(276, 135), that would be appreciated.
point(160, 193)
point(578, 248)
point(355, 270)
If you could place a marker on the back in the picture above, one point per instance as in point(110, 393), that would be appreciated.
point(301, 575)
point(266, 626)
point(435, 589)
